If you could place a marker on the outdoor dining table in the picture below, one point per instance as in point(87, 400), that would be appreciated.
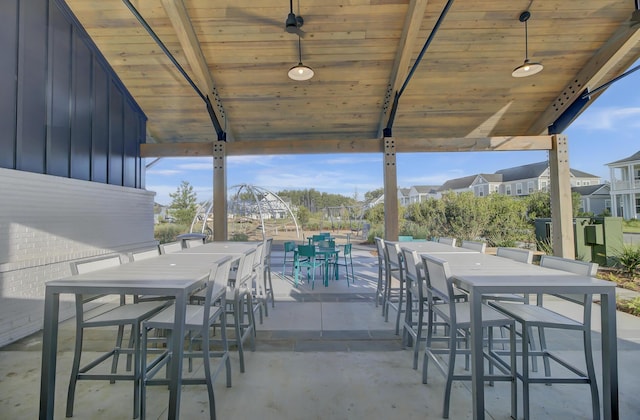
point(176, 275)
point(328, 254)
point(222, 247)
point(432, 247)
point(324, 254)
point(481, 274)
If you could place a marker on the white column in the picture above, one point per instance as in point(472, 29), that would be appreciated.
point(219, 191)
point(390, 190)
point(561, 203)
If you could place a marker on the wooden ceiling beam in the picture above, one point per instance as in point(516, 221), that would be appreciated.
point(612, 56)
point(406, 46)
point(179, 17)
point(403, 145)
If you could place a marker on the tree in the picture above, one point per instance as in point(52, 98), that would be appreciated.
point(183, 204)
point(539, 204)
point(303, 215)
point(372, 195)
point(375, 215)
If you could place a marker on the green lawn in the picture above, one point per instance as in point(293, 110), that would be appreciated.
point(631, 226)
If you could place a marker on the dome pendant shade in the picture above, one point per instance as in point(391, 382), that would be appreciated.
point(527, 68)
point(300, 72)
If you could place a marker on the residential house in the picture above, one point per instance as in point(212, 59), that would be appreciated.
point(594, 198)
point(420, 193)
point(485, 184)
point(404, 196)
point(625, 187)
point(458, 184)
point(525, 179)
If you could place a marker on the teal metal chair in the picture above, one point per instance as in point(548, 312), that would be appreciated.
point(315, 239)
point(305, 256)
point(347, 263)
point(289, 248)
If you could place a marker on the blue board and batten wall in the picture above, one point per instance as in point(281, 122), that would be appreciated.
point(71, 177)
point(63, 110)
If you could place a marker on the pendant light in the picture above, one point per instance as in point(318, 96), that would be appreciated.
point(527, 68)
point(300, 71)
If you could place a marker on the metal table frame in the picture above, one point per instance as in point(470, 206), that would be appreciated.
point(166, 275)
point(485, 274)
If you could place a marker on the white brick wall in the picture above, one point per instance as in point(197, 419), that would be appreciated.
point(45, 223)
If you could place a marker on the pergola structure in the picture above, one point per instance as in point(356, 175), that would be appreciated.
point(391, 76)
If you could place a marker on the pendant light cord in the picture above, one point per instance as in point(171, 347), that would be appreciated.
point(299, 50)
point(526, 41)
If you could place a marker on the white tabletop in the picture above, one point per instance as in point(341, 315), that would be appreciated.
point(169, 270)
point(226, 247)
point(489, 271)
point(433, 247)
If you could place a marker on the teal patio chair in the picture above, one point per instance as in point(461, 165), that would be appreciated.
point(289, 248)
point(347, 263)
point(305, 256)
point(315, 239)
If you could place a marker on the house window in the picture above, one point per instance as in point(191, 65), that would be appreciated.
point(543, 185)
point(637, 205)
point(481, 193)
point(578, 183)
point(607, 205)
point(495, 188)
point(637, 174)
point(530, 187)
point(508, 189)
point(518, 189)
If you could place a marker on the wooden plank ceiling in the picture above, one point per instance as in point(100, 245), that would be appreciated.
point(461, 97)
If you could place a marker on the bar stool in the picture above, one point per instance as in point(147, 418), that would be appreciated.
point(198, 321)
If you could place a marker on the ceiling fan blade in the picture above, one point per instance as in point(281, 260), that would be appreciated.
point(295, 30)
point(250, 17)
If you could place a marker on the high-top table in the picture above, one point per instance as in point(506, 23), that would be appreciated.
point(223, 247)
point(482, 274)
point(166, 275)
point(431, 247)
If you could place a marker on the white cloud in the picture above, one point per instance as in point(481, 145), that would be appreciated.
point(610, 118)
point(266, 160)
point(437, 179)
point(353, 160)
point(197, 166)
point(166, 172)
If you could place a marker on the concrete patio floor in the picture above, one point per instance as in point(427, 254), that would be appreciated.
point(321, 354)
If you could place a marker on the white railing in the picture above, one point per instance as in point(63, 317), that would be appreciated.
point(625, 185)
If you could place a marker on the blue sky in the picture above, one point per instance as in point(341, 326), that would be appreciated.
point(607, 131)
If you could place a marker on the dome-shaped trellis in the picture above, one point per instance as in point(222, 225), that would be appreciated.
point(248, 206)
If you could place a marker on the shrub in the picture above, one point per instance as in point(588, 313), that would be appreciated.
point(239, 237)
point(545, 246)
point(375, 231)
point(631, 306)
point(629, 259)
point(167, 232)
point(409, 228)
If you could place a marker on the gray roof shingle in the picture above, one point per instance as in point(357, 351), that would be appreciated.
point(633, 157)
point(458, 183)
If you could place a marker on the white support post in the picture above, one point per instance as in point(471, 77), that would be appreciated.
point(390, 190)
point(219, 191)
point(561, 203)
